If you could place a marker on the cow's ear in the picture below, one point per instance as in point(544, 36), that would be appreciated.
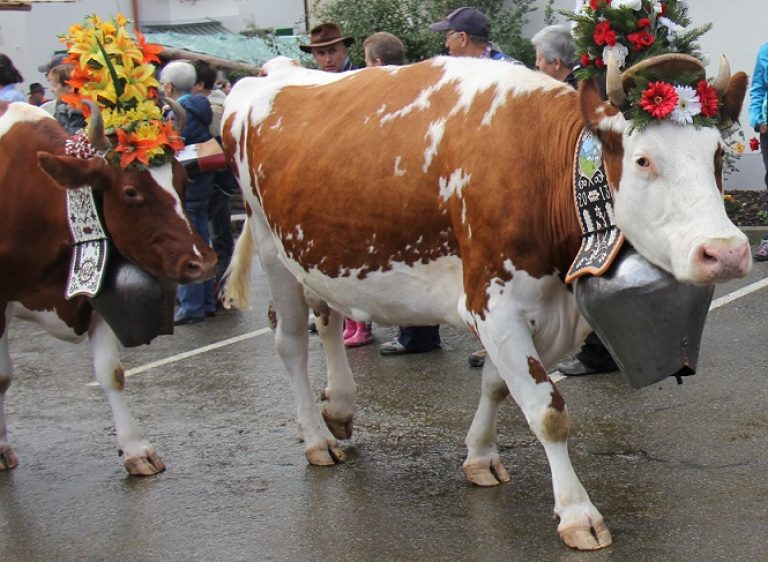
point(71, 172)
point(600, 116)
point(734, 97)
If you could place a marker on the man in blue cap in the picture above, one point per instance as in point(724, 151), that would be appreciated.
point(467, 34)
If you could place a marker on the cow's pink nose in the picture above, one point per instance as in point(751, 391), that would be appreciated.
point(723, 261)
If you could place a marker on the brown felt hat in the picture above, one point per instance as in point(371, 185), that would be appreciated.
point(325, 34)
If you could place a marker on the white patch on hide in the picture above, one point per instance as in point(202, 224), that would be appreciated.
point(454, 185)
point(398, 170)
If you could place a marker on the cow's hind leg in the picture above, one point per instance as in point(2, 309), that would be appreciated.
point(7, 457)
point(483, 465)
point(292, 343)
point(341, 391)
point(581, 524)
point(139, 456)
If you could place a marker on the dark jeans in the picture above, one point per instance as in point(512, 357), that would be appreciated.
point(222, 241)
point(419, 338)
point(764, 151)
point(195, 299)
point(594, 354)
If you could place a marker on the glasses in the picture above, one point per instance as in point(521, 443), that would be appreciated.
point(450, 32)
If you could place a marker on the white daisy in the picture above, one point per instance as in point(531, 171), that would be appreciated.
point(688, 105)
point(634, 4)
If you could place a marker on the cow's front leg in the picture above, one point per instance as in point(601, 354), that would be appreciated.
point(581, 524)
point(7, 457)
point(483, 465)
point(139, 456)
point(341, 391)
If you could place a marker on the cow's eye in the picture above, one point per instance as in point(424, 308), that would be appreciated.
point(132, 194)
point(643, 162)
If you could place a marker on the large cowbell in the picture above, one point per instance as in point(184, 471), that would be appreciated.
point(650, 322)
point(136, 305)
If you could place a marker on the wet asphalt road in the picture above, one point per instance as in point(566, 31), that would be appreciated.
point(678, 472)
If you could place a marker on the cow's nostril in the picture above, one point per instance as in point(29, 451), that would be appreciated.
point(706, 256)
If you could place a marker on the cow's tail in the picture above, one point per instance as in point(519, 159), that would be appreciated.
point(238, 275)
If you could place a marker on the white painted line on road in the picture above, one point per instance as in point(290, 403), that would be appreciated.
point(192, 353)
point(555, 375)
point(743, 292)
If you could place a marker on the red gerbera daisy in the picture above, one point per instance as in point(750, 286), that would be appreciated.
point(754, 144)
point(603, 34)
point(708, 98)
point(659, 99)
point(640, 39)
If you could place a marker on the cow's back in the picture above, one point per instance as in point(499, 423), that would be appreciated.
point(405, 165)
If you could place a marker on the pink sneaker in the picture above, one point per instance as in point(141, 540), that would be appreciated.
point(363, 336)
point(350, 327)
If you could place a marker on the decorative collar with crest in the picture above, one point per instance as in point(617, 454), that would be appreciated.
point(648, 53)
point(116, 72)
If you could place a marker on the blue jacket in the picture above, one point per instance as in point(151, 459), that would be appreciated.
point(197, 129)
point(758, 92)
point(199, 118)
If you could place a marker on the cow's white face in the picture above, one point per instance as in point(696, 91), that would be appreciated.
point(670, 208)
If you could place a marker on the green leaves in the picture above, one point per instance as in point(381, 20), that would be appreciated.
point(409, 21)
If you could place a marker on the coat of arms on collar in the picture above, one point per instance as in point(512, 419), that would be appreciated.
point(90, 248)
point(601, 238)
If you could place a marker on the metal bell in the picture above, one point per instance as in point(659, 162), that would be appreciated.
point(137, 306)
point(650, 322)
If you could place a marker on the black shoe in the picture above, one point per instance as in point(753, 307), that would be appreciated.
point(210, 313)
point(575, 368)
point(394, 347)
point(182, 319)
point(477, 358)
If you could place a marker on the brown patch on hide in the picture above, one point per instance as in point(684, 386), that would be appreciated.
point(555, 424)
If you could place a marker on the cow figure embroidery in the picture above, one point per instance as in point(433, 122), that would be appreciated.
point(460, 194)
point(145, 221)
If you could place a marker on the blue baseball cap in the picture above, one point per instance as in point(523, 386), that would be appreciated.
point(466, 19)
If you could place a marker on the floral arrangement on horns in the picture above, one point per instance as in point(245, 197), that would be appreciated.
point(634, 30)
point(117, 73)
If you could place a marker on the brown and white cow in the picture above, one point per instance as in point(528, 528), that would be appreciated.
point(145, 220)
point(441, 193)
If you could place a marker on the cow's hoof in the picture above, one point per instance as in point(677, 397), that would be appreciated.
point(144, 466)
point(486, 472)
point(341, 428)
point(329, 455)
point(8, 459)
point(587, 538)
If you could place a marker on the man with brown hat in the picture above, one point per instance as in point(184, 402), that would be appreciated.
point(330, 49)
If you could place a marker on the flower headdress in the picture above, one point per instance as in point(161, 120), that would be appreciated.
point(628, 32)
point(115, 72)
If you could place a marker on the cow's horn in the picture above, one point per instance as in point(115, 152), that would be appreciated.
point(95, 132)
point(723, 77)
point(180, 116)
point(613, 86)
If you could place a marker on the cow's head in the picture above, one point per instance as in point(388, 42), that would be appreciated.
point(666, 181)
point(142, 210)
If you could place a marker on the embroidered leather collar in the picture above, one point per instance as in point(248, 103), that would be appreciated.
point(601, 238)
point(91, 246)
